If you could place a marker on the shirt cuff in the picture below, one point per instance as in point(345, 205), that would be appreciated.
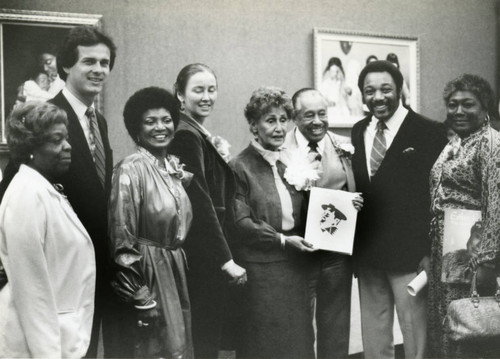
point(148, 306)
point(282, 239)
point(227, 265)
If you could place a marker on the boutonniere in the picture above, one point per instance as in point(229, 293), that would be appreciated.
point(222, 146)
point(408, 151)
point(178, 169)
point(302, 170)
point(344, 150)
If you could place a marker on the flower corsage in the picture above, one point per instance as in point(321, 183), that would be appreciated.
point(222, 146)
point(302, 170)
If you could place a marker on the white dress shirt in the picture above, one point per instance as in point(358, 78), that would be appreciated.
point(393, 124)
point(80, 108)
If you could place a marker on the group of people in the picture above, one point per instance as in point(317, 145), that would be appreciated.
point(177, 253)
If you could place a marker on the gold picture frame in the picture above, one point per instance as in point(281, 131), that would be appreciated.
point(24, 35)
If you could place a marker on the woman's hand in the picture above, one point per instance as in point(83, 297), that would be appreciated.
point(299, 243)
point(236, 273)
point(358, 201)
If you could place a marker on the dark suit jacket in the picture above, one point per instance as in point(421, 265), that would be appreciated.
point(258, 215)
point(393, 227)
point(211, 193)
point(81, 183)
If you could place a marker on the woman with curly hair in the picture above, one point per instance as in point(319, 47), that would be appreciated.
point(465, 176)
point(270, 221)
point(149, 218)
point(47, 304)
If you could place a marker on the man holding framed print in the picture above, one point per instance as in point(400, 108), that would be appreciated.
point(395, 149)
point(331, 278)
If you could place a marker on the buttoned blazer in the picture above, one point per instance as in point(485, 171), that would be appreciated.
point(258, 213)
point(81, 183)
point(323, 182)
point(211, 193)
point(392, 230)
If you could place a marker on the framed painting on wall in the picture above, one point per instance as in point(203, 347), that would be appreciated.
point(339, 57)
point(29, 42)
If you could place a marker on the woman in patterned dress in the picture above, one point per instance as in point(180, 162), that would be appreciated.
point(465, 176)
point(149, 217)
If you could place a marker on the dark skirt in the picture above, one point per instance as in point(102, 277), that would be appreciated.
point(277, 318)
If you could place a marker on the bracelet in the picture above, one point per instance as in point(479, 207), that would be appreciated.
point(147, 306)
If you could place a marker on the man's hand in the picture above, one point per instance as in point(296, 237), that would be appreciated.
point(424, 265)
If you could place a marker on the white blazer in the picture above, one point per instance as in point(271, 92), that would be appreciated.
point(47, 306)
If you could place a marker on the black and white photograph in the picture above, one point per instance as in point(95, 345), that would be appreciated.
point(226, 179)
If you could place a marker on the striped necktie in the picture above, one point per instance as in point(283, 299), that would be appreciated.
point(378, 149)
point(96, 146)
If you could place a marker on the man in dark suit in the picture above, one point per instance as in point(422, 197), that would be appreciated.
point(395, 149)
point(84, 62)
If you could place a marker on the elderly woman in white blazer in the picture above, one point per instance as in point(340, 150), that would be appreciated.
point(47, 305)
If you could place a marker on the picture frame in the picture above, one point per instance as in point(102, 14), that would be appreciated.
point(339, 57)
point(24, 36)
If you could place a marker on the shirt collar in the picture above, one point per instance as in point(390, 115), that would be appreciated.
point(303, 142)
point(78, 106)
point(188, 119)
point(394, 123)
point(269, 156)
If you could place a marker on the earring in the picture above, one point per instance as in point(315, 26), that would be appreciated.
point(182, 106)
point(31, 156)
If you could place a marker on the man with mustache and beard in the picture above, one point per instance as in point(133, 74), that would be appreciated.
point(330, 282)
point(395, 149)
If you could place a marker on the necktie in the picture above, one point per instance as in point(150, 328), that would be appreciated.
point(314, 148)
point(378, 149)
point(96, 146)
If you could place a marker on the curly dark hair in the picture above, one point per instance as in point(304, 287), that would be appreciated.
point(82, 36)
point(28, 125)
point(475, 84)
point(263, 99)
point(147, 99)
point(381, 66)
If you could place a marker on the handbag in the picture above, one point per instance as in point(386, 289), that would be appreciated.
point(474, 318)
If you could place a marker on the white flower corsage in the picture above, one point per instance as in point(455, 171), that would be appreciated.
point(344, 149)
point(302, 170)
point(222, 146)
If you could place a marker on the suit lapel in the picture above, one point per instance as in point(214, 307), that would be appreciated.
point(363, 170)
point(80, 147)
point(400, 142)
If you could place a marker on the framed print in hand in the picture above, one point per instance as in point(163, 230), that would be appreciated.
point(29, 42)
point(331, 220)
point(339, 57)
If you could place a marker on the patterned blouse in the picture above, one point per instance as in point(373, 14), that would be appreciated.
point(467, 176)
